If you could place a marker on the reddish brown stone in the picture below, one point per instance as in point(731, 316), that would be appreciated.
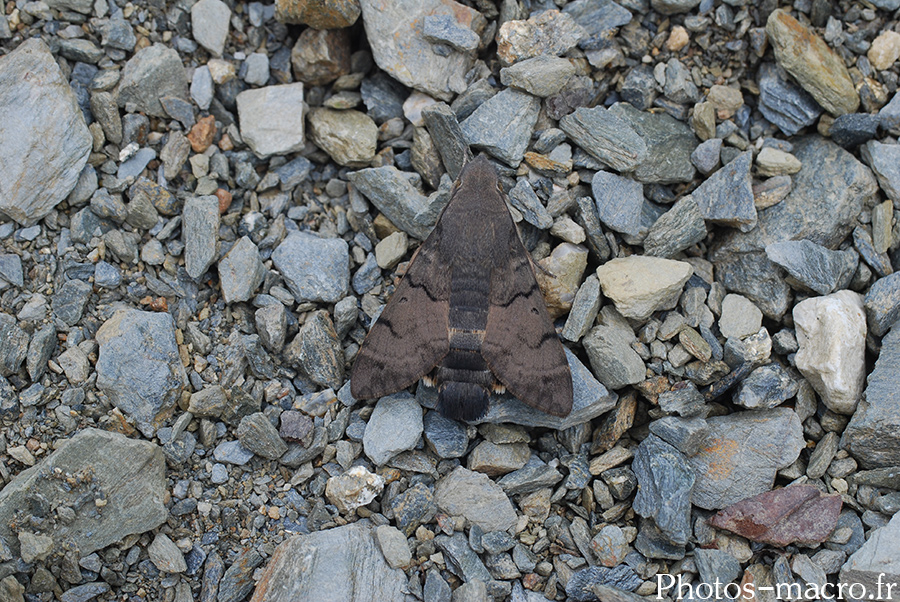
point(202, 134)
point(225, 199)
point(792, 515)
point(615, 424)
point(318, 14)
point(320, 57)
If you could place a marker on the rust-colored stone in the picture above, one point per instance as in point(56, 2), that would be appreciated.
point(318, 14)
point(225, 199)
point(202, 134)
point(799, 515)
point(615, 424)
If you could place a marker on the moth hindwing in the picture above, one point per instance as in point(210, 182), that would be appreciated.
point(470, 310)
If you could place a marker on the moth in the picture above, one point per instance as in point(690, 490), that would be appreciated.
point(468, 313)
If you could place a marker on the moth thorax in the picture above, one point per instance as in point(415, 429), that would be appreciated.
point(462, 400)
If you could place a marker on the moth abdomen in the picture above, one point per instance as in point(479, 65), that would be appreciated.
point(463, 380)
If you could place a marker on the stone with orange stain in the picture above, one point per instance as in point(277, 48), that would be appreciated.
point(742, 453)
point(816, 67)
point(551, 32)
point(318, 14)
point(225, 199)
point(202, 134)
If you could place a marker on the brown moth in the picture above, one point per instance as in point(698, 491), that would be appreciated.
point(469, 309)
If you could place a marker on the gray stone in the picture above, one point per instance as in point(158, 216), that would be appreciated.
point(540, 76)
point(202, 87)
point(436, 589)
point(272, 325)
point(754, 445)
point(349, 137)
point(80, 50)
point(815, 267)
point(447, 136)
point(85, 592)
point(590, 399)
point(684, 401)
point(128, 474)
point(241, 271)
point(46, 142)
point(413, 507)
point(152, 73)
point(536, 474)
point(180, 110)
point(460, 558)
point(258, 435)
point(109, 206)
point(367, 276)
point(581, 583)
point(11, 270)
point(271, 120)
point(606, 136)
point(766, 387)
point(523, 198)
point(316, 351)
point(118, 33)
point(687, 435)
point(599, 18)
point(706, 156)
point(476, 497)
point(13, 345)
point(395, 426)
point(315, 269)
point(445, 29)
point(165, 555)
point(679, 228)
point(392, 544)
point(391, 192)
point(200, 234)
point(863, 243)
point(135, 165)
point(503, 124)
point(680, 86)
point(871, 437)
point(106, 112)
point(232, 452)
point(584, 310)
point(613, 360)
point(255, 70)
point(237, 581)
point(726, 197)
point(665, 481)
point(853, 129)
point(822, 455)
point(669, 145)
point(79, 6)
point(827, 195)
point(717, 566)
point(400, 49)
point(344, 564)
point(884, 159)
point(70, 300)
point(620, 203)
point(876, 562)
point(383, 97)
point(640, 285)
point(139, 368)
point(783, 102)
point(882, 304)
point(446, 438)
point(739, 317)
point(209, 24)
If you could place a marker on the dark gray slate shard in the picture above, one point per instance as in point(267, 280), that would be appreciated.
point(828, 194)
point(587, 217)
point(687, 435)
point(716, 565)
point(677, 229)
point(523, 198)
point(669, 145)
point(591, 399)
point(665, 482)
point(40, 349)
point(879, 262)
point(852, 129)
point(783, 102)
point(706, 156)
point(599, 18)
point(620, 203)
point(444, 29)
point(535, 475)
point(127, 473)
point(343, 563)
point(45, 140)
point(11, 270)
point(815, 267)
point(389, 190)
point(413, 507)
point(70, 300)
point(639, 87)
point(580, 583)
point(200, 233)
point(605, 136)
point(315, 269)
point(446, 438)
point(873, 434)
point(237, 581)
point(883, 304)
point(448, 137)
point(766, 387)
point(383, 97)
point(884, 159)
point(503, 124)
point(257, 434)
point(13, 345)
point(726, 197)
point(139, 368)
point(461, 559)
point(653, 543)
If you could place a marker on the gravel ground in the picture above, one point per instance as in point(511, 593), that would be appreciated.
point(204, 206)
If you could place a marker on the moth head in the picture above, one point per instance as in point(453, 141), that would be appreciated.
point(478, 175)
